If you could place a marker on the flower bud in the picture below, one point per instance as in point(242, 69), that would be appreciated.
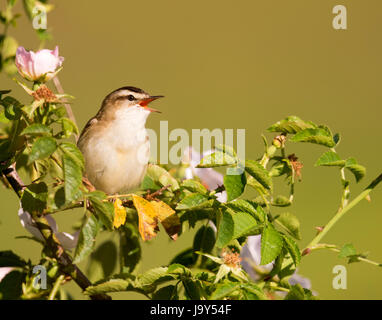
point(279, 141)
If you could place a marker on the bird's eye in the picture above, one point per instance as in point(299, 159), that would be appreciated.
point(130, 97)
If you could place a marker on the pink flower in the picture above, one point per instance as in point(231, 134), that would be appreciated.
point(38, 66)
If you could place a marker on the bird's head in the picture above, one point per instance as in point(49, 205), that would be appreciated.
point(129, 99)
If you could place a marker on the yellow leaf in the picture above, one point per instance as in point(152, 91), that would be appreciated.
point(148, 220)
point(119, 213)
point(168, 218)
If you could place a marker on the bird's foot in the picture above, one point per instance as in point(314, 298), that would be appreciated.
point(88, 185)
point(153, 196)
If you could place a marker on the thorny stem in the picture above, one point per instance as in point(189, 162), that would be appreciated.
point(346, 191)
point(64, 260)
point(341, 212)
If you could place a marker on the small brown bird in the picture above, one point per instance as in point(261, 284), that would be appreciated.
point(115, 143)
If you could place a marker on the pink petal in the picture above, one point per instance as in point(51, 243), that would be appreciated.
point(4, 271)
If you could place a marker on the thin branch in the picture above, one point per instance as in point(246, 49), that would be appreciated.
point(152, 196)
point(334, 248)
point(68, 108)
point(340, 213)
point(52, 242)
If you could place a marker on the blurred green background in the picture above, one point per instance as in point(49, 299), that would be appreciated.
point(234, 64)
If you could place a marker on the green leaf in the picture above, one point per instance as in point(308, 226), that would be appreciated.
point(100, 195)
point(149, 184)
point(229, 150)
point(3, 118)
point(347, 250)
point(245, 206)
point(113, 285)
point(86, 240)
point(34, 197)
point(251, 181)
point(271, 244)
point(10, 259)
point(296, 293)
point(320, 136)
point(244, 224)
point(11, 285)
point(37, 129)
point(217, 159)
point(104, 211)
point(249, 207)
point(158, 174)
point(178, 269)
point(192, 289)
point(291, 124)
point(3, 92)
point(225, 230)
point(185, 257)
point(234, 185)
point(257, 171)
point(224, 289)
point(9, 47)
point(72, 176)
point(59, 198)
point(12, 108)
point(279, 168)
point(330, 158)
point(204, 239)
point(5, 152)
point(254, 289)
point(42, 148)
point(357, 170)
point(290, 223)
point(103, 259)
point(130, 248)
point(153, 277)
point(72, 151)
point(281, 201)
point(68, 127)
point(166, 293)
point(194, 186)
point(293, 249)
point(194, 201)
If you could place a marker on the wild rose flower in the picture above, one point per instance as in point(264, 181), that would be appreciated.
point(67, 240)
point(41, 66)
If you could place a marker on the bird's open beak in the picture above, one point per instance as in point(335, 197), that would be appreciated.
point(144, 103)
